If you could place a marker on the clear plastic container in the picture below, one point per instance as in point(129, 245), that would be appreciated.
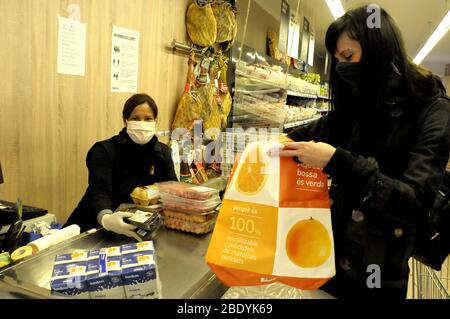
point(187, 191)
point(190, 227)
point(196, 218)
point(189, 205)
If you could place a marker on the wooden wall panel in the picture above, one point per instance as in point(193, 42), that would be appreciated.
point(446, 81)
point(48, 121)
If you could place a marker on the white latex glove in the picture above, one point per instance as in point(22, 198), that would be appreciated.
point(114, 222)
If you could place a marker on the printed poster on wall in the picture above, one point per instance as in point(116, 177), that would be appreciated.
point(71, 47)
point(124, 60)
point(284, 27)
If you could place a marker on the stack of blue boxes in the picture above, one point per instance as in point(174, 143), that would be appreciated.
point(128, 271)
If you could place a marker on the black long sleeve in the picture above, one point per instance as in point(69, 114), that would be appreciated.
point(117, 166)
point(316, 131)
point(100, 168)
point(414, 192)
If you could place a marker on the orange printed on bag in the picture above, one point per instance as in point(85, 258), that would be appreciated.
point(274, 224)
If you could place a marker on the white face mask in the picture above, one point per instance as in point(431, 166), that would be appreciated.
point(141, 132)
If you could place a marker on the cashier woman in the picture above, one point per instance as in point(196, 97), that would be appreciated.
point(116, 166)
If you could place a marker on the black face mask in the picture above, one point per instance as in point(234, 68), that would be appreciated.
point(350, 72)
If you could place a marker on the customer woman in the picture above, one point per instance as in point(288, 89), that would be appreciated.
point(116, 166)
point(385, 144)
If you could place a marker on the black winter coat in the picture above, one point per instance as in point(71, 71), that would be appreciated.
point(116, 166)
point(379, 202)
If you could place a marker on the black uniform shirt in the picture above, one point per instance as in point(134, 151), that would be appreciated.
point(116, 166)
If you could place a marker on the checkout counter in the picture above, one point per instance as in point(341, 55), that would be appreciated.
point(181, 264)
point(180, 260)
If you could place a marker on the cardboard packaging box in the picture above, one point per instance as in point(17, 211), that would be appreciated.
point(103, 274)
point(139, 273)
point(69, 275)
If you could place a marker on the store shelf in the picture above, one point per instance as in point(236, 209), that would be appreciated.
point(266, 113)
point(299, 94)
point(299, 123)
point(266, 91)
point(323, 97)
point(323, 110)
point(259, 81)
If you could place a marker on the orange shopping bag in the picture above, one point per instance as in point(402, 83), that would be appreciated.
point(274, 224)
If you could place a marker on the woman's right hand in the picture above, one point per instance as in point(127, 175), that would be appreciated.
point(114, 222)
point(312, 154)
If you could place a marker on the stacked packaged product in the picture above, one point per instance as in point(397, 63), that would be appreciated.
point(296, 113)
point(189, 208)
point(123, 272)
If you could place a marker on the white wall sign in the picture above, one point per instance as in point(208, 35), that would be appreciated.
point(71, 47)
point(312, 41)
point(124, 60)
point(294, 37)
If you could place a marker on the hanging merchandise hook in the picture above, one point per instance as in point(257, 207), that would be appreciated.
point(186, 49)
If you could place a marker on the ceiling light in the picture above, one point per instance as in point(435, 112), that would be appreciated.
point(336, 8)
point(438, 34)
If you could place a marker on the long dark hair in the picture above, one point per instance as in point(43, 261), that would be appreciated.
point(383, 54)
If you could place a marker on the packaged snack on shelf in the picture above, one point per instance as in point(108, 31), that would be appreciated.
point(196, 228)
point(145, 195)
point(187, 191)
point(196, 218)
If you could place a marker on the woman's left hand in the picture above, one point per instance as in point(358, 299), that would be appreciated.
point(309, 153)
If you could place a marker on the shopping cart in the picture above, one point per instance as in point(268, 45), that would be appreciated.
point(426, 283)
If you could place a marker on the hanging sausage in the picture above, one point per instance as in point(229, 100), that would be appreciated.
point(207, 94)
point(224, 93)
point(190, 106)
